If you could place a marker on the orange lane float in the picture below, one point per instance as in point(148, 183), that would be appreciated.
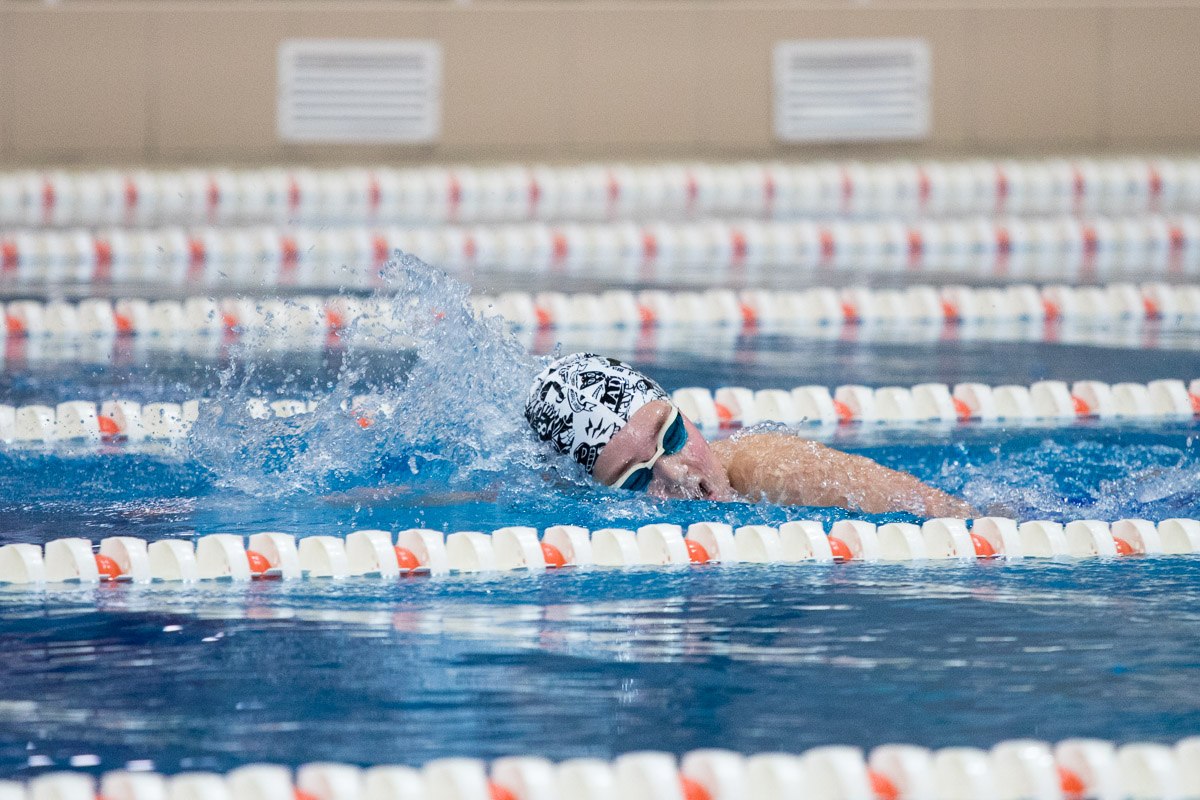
point(696, 552)
point(406, 559)
point(882, 786)
point(983, 548)
point(499, 792)
point(693, 790)
point(258, 563)
point(108, 568)
point(840, 550)
point(1073, 787)
point(553, 556)
point(108, 427)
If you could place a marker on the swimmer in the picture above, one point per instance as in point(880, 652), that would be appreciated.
point(624, 430)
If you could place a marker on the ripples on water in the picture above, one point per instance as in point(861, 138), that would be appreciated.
point(573, 663)
point(444, 390)
point(1103, 473)
point(568, 664)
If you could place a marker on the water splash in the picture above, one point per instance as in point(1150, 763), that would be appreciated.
point(447, 415)
point(451, 415)
point(1100, 478)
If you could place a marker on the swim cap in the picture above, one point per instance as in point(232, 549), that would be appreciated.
point(580, 401)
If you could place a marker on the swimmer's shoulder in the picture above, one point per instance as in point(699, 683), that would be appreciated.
point(757, 446)
point(724, 450)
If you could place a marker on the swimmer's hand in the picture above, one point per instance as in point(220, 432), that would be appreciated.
point(789, 470)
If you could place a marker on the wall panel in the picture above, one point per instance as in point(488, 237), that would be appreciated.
point(6, 100)
point(1037, 76)
point(1154, 86)
point(172, 81)
point(393, 20)
point(214, 75)
point(75, 81)
point(737, 51)
point(633, 77)
point(506, 78)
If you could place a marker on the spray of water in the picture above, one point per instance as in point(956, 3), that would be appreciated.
point(1085, 479)
point(453, 416)
point(448, 415)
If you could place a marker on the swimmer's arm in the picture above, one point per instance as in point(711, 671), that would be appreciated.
point(789, 470)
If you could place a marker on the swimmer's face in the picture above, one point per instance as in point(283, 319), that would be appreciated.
point(693, 473)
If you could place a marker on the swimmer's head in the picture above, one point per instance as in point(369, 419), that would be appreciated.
point(581, 401)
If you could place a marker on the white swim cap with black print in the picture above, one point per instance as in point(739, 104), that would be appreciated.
point(580, 401)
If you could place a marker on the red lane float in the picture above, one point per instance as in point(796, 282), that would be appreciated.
point(882, 786)
point(1113, 313)
point(983, 548)
point(1073, 787)
point(816, 410)
point(258, 563)
point(696, 552)
point(840, 550)
point(553, 556)
point(406, 559)
point(498, 792)
point(693, 790)
point(108, 568)
point(907, 189)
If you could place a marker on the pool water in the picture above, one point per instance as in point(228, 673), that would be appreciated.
point(1100, 471)
point(577, 662)
point(597, 663)
point(141, 371)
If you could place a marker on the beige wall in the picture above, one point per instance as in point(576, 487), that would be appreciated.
point(168, 82)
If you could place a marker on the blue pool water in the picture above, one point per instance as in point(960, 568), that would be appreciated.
point(577, 662)
point(1104, 472)
point(567, 664)
point(694, 358)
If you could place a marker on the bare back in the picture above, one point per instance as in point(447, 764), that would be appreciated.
point(789, 470)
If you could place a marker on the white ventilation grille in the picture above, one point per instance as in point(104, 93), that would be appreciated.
point(360, 90)
point(851, 89)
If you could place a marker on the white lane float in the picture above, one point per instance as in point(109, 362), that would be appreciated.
point(901, 541)
point(716, 539)
point(376, 554)
point(314, 257)
point(1016, 769)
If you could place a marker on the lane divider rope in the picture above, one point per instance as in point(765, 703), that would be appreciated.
point(1169, 305)
point(1016, 769)
point(780, 310)
point(599, 192)
point(813, 409)
point(1045, 402)
point(98, 331)
point(383, 555)
point(1066, 249)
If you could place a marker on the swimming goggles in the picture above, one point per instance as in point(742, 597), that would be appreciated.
point(672, 436)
